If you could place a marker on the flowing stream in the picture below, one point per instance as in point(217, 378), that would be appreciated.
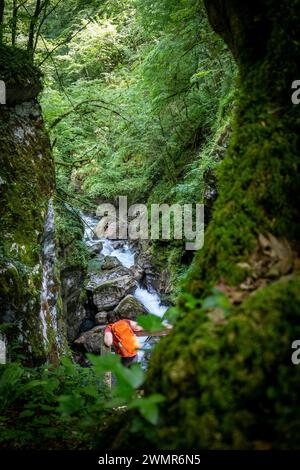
point(126, 255)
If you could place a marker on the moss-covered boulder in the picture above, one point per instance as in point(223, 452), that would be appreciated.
point(130, 307)
point(21, 78)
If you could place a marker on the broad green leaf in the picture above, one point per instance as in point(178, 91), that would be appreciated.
point(150, 322)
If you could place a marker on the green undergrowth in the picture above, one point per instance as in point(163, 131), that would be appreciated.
point(65, 408)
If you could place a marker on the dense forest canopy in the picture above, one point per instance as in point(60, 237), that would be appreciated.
point(162, 101)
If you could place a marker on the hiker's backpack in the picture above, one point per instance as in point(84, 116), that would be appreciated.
point(125, 339)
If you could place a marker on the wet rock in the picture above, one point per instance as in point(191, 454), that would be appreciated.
point(148, 274)
point(118, 244)
point(72, 297)
point(165, 284)
point(95, 279)
point(101, 318)
point(108, 294)
point(110, 262)
point(137, 272)
point(91, 340)
point(130, 307)
point(96, 248)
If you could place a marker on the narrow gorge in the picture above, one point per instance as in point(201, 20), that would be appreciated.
point(189, 107)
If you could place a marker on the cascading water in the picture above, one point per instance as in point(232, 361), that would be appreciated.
point(2, 349)
point(126, 255)
point(49, 293)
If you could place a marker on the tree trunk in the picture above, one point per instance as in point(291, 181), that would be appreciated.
point(14, 21)
point(229, 382)
point(32, 27)
point(2, 6)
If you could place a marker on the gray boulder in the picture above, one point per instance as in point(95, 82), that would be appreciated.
point(110, 262)
point(108, 294)
point(96, 248)
point(130, 308)
point(91, 340)
point(101, 318)
point(95, 278)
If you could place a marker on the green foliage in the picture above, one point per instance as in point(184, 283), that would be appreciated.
point(141, 121)
point(150, 322)
point(69, 229)
point(31, 398)
point(64, 408)
point(148, 407)
point(217, 300)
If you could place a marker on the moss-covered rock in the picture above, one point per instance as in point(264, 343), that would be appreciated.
point(232, 384)
point(22, 79)
point(73, 258)
point(27, 183)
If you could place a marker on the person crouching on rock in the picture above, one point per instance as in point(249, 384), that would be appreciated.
point(121, 333)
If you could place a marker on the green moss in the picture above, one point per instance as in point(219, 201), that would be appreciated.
point(73, 252)
point(232, 384)
point(259, 177)
point(17, 68)
point(27, 183)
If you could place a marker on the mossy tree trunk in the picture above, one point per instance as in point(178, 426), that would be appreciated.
point(259, 179)
point(231, 383)
point(1, 19)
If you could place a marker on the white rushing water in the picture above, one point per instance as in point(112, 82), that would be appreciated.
point(2, 349)
point(123, 253)
point(151, 301)
point(49, 293)
point(126, 256)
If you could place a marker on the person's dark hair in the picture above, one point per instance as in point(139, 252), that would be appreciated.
point(112, 317)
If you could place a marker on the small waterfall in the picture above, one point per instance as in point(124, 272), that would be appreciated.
point(50, 289)
point(2, 349)
point(151, 301)
point(126, 255)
